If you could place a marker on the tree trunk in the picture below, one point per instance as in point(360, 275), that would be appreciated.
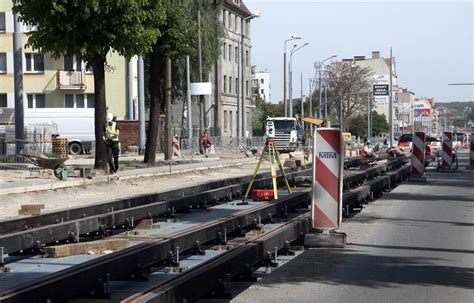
point(168, 124)
point(100, 111)
point(156, 70)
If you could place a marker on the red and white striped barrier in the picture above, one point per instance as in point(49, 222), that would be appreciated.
point(471, 153)
point(176, 147)
point(418, 154)
point(447, 150)
point(327, 179)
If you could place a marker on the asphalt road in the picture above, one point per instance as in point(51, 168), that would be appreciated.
point(414, 245)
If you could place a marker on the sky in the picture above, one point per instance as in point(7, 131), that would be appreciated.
point(432, 41)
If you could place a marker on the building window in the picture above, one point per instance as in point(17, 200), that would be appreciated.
point(230, 85)
point(3, 63)
point(262, 81)
point(224, 86)
point(262, 92)
point(34, 62)
point(236, 54)
point(246, 88)
point(3, 100)
point(236, 85)
point(225, 120)
point(73, 64)
point(247, 28)
point(231, 123)
point(36, 101)
point(236, 24)
point(224, 51)
point(247, 58)
point(79, 101)
point(2, 22)
point(224, 18)
point(231, 20)
point(230, 52)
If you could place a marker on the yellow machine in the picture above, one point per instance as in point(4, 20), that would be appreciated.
point(269, 148)
point(320, 122)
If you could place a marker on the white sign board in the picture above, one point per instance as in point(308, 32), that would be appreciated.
point(201, 88)
point(381, 81)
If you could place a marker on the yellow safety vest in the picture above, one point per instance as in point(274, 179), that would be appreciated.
point(110, 131)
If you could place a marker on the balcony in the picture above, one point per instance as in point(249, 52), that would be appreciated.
point(71, 80)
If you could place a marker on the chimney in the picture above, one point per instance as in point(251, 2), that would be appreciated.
point(375, 55)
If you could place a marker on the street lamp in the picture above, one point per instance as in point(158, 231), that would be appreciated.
point(293, 37)
point(320, 92)
point(294, 50)
point(240, 91)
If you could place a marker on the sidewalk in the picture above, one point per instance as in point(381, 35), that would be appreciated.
point(16, 181)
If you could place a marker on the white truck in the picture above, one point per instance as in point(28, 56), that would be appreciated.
point(284, 132)
point(75, 124)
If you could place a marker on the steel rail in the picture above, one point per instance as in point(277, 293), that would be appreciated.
point(27, 239)
point(55, 217)
point(64, 284)
point(199, 280)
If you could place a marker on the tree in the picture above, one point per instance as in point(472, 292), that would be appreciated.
point(351, 82)
point(379, 123)
point(178, 32)
point(90, 30)
point(260, 114)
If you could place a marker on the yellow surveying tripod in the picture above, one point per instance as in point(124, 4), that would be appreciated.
point(274, 156)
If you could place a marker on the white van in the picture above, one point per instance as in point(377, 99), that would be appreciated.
point(75, 124)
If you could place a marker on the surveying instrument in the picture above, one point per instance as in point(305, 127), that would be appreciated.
point(274, 158)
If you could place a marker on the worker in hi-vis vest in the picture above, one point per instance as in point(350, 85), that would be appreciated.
point(112, 141)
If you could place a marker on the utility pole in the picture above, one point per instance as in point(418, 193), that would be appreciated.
point(189, 103)
point(168, 129)
point(141, 106)
point(302, 105)
point(129, 90)
point(18, 78)
point(201, 97)
point(390, 103)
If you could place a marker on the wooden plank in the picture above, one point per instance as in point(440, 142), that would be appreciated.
point(97, 247)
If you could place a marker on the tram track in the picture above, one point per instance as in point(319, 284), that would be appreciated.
point(135, 259)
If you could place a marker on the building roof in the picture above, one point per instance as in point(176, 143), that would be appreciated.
point(238, 6)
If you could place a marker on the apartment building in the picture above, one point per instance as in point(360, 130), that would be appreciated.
point(261, 81)
point(67, 82)
point(233, 71)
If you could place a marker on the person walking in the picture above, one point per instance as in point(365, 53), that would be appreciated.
point(206, 142)
point(112, 141)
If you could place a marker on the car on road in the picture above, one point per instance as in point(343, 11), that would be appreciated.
point(405, 140)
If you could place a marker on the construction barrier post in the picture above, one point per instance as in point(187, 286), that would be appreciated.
point(447, 150)
point(326, 204)
point(418, 157)
point(471, 153)
point(176, 147)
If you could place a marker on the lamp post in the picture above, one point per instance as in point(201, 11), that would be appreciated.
point(294, 50)
point(293, 37)
point(320, 92)
point(241, 125)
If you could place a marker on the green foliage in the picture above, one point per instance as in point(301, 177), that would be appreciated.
point(90, 28)
point(379, 123)
point(212, 33)
point(358, 126)
point(260, 114)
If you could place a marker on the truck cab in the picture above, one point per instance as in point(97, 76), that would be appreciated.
point(284, 132)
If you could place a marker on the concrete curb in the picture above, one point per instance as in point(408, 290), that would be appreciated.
point(56, 184)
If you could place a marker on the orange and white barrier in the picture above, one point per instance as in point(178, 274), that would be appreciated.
point(447, 150)
point(418, 154)
point(326, 202)
point(176, 147)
